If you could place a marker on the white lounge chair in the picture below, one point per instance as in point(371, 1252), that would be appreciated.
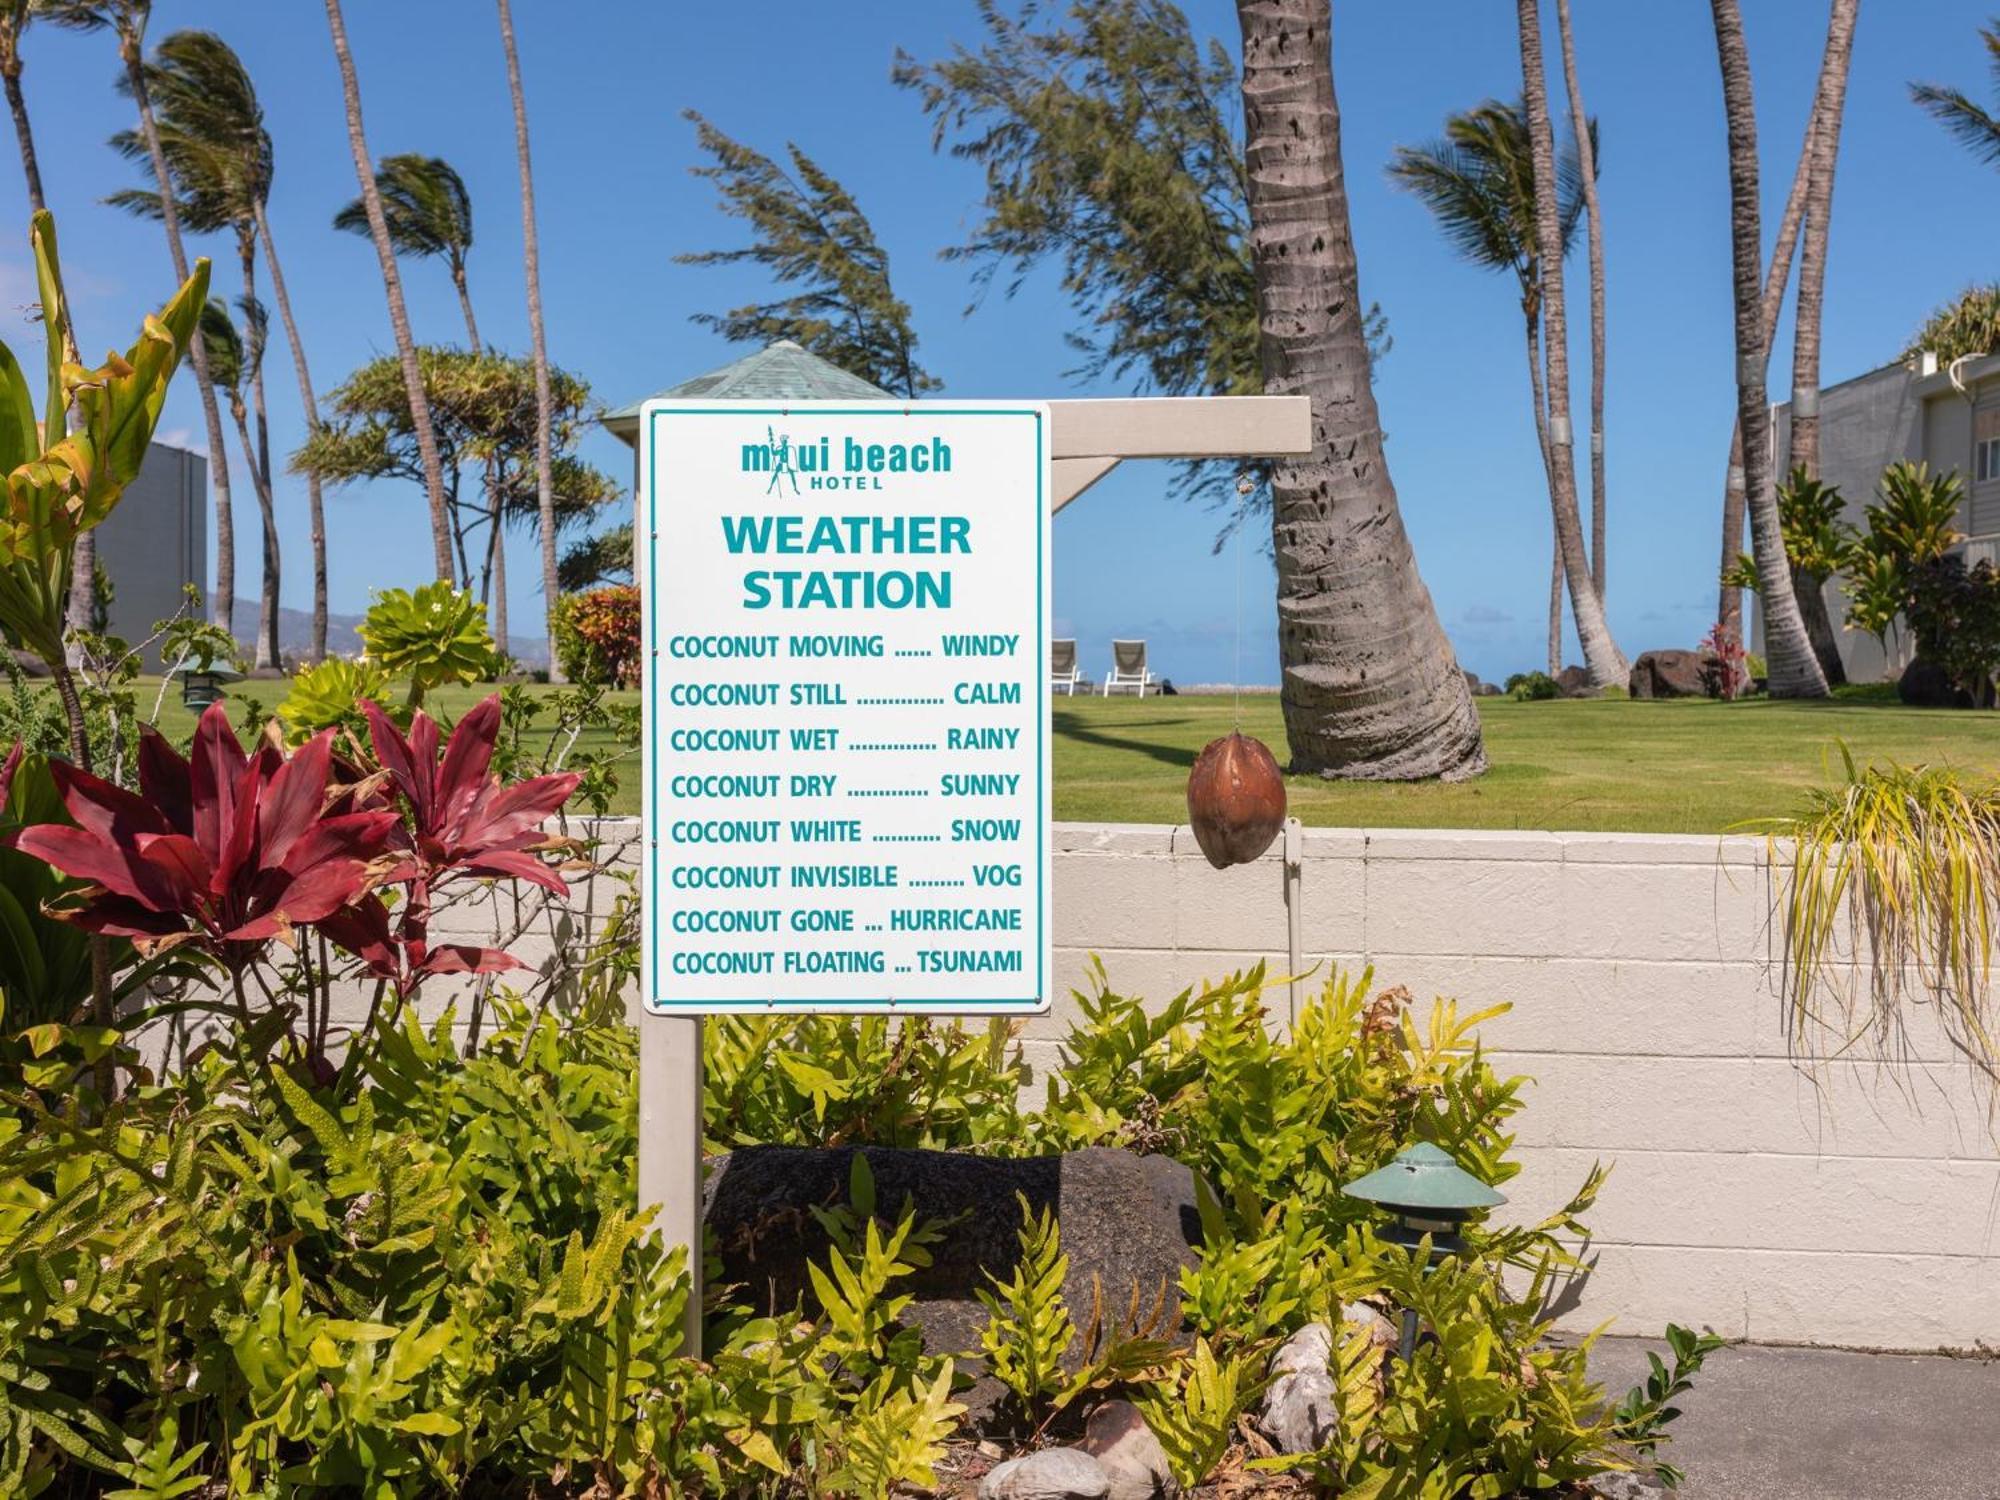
point(1128, 672)
point(1063, 672)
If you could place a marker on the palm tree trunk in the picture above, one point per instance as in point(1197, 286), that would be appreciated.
point(1532, 310)
point(1371, 686)
point(498, 545)
point(267, 612)
point(17, 103)
point(392, 285)
point(317, 651)
point(465, 305)
point(531, 256)
point(1824, 149)
point(1593, 228)
point(222, 599)
point(1729, 611)
point(1606, 663)
point(266, 653)
point(1794, 669)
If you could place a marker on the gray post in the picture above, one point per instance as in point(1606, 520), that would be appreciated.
point(670, 1145)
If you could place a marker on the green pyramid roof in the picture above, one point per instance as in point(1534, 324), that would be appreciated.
point(1422, 1176)
point(778, 372)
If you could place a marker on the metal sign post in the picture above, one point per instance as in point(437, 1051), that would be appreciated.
point(846, 750)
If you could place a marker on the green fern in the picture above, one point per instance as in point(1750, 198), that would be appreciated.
point(1029, 1327)
point(158, 1471)
point(894, 1438)
point(1193, 1413)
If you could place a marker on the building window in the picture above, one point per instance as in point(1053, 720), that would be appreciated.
point(1987, 465)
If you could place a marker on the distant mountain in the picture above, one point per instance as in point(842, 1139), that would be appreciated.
point(343, 637)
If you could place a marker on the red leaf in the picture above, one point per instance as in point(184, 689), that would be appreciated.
point(109, 812)
point(511, 811)
point(163, 777)
point(292, 801)
point(77, 852)
point(468, 757)
point(214, 773)
point(454, 958)
point(363, 930)
point(501, 864)
point(179, 863)
point(119, 916)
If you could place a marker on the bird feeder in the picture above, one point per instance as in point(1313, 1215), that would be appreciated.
point(1424, 1192)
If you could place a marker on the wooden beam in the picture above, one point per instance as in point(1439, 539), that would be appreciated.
point(1075, 475)
point(1181, 427)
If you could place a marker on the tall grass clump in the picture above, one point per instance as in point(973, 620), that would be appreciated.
point(1890, 880)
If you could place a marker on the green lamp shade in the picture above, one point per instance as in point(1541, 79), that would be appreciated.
point(1423, 1179)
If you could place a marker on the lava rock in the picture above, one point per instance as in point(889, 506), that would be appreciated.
point(1668, 674)
point(1235, 799)
point(1116, 1435)
point(1052, 1474)
point(1300, 1410)
point(1575, 683)
point(1126, 1219)
point(1925, 684)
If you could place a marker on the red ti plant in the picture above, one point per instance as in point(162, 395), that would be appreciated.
point(220, 852)
point(458, 821)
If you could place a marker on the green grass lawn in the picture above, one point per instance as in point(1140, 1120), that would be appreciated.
point(1685, 766)
point(1680, 766)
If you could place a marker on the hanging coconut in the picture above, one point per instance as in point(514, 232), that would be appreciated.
point(1236, 800)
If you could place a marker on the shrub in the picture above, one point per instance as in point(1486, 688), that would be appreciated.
point(1954, 616)
point(1531, 687)
point(429, 636)
point(596, 636)
point(434, 1281)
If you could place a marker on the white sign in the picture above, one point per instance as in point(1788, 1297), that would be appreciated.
point(847, 710)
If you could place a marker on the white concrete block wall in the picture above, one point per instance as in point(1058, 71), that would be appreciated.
point(1846, 1203)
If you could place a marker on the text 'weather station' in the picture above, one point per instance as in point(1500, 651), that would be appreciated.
point(847, 623)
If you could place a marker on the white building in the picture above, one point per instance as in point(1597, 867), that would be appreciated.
point(1948, 418)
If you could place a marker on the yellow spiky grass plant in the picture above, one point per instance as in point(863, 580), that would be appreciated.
point(1888, 884)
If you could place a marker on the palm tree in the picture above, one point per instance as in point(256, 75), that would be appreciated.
point(14, 16)
point(212, 129)
point(1606, 663)
point(234, 358)
point(1974, 128)
point(1824, 149)
point(1794, 669)
point(1371, 687)
point(1586, 150)
point(545, 501)
point(1478, 182)
point(392, 285)
point(211, 132)
point(429, 214)
point(1729, 610)
point(126, 19)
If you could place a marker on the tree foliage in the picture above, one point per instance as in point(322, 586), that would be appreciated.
point(426, 205)
point(1478, 181)
point(808, 232)
point(1967, 325)
point(483, 409)
point(1111, 142)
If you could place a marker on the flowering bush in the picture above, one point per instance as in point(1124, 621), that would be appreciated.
point(596, 636)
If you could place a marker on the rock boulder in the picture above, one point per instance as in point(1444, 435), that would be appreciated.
point(1126, 1219)
point(1668, 674)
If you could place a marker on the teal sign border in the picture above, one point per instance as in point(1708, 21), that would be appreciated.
point(1029, 1005)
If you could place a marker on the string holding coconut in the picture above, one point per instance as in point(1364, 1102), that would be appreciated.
point(1235, 793)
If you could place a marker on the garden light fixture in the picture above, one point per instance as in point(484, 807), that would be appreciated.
point(1424, 1192)
point(199, 689)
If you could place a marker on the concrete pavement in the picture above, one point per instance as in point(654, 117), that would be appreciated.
point(1767, 1423)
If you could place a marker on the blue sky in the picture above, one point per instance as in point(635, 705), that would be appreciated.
point(1915, 220)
